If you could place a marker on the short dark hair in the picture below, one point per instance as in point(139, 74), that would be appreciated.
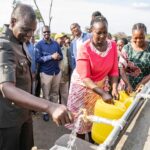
point(23, 11)
point(99, 19)
point(124, 40)
point(74, 24)
point(139, 26)
point(45, 26)
point(96, 13)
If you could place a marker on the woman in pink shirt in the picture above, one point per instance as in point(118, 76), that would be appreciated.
point(96, 61)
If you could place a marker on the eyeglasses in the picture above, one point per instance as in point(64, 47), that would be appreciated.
point(46, 31)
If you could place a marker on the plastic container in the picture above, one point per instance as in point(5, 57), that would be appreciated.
point(125, 98)
point(100, 131)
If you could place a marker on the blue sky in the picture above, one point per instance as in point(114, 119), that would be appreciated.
point(121, 14)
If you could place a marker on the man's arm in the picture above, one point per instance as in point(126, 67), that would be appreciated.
point(59, 113)
point(38, 55)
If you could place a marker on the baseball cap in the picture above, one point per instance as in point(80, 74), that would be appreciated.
point(60, 35)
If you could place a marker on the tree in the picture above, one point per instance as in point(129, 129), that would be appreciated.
point(38, 13)
point(148, 37)
point(1, 29)
point(38, 16)
point(50, 9)
point(15, 2)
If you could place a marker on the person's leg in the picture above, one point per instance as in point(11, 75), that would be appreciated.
point(64, 91)
point(46, 81)
point(38, 86)
point(81, 136)
point(46, 84)
point(26, 136)
point(90, 138)
point(54, 93)
point(9, 138)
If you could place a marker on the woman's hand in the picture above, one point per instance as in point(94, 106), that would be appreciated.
point(129, 88)
point(115, 94)
point(139, 87)
point(105, 96)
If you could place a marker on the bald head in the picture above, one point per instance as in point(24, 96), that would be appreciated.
point(23, 11)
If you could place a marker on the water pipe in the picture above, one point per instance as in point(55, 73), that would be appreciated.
point(144, 93)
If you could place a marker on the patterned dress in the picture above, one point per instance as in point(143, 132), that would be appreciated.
point(136, 63)
point(94, 65)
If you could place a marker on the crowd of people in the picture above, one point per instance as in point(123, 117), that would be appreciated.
point(59, 76)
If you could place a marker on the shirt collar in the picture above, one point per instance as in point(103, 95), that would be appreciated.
point(47, 41)
point(10, 35)
point(76, 38)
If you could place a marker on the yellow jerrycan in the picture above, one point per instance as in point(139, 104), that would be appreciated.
point(125, 98)
point(100, 131)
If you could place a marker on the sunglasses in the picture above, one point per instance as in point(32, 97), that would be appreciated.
point(46, 31)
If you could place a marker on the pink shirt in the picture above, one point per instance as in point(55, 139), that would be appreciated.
point(97, 65)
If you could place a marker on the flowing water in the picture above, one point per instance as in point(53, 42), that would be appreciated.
point(71, 145)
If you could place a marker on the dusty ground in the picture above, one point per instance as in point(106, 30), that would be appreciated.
point(46, 133)
point(137, 136)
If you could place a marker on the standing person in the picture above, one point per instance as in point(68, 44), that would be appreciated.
point(31, 51)
point(134, 60)
point(79, 38)
point(67, 42)
point(97, 59)
point(16, 132)
point(37, 76)
point(48, 57)
point(64, 67)
point(120, 45)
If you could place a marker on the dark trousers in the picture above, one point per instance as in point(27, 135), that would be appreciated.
point(17, 138)
point(38, 86)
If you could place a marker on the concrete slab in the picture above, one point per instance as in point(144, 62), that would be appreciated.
point(78, 145)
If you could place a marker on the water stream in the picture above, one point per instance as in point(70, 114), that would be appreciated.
point(71, 145)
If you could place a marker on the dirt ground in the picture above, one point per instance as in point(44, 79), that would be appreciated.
point(137, 136)
point(46, 133)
